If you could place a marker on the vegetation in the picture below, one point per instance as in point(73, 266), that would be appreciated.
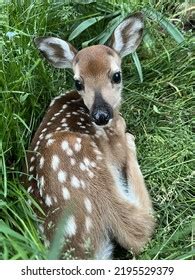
point(157, 106)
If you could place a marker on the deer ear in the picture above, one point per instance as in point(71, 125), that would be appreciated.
point(58, 52)
point(127, 36)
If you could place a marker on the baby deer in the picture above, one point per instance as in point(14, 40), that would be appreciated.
point(82, 162)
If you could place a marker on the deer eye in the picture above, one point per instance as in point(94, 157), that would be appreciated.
point(79, 86)
point(116, 78)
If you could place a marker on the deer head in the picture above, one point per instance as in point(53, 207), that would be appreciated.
point(97, 69)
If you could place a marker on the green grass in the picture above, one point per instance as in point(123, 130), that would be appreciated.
point(158, 112)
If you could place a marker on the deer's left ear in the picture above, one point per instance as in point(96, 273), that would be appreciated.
point(127, 36)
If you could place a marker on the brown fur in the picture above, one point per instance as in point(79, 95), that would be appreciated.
point(111, 215)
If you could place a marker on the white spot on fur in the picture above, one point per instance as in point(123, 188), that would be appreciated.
point(91, 174)
point(31, 168)
point(86, 161)
point(65, 145)
point(72, 161)
point(50, 142)
point(49, 135)
point(66, 193)
point(88, 205)
point(88, 223)
point(82, 166)
point(48, 200)
point(63, 120)
point(75, 182)
point(41, 162)
point(55, 162)
point(69, 152)
point(32, 159)
point(62, 176)
point(82, 184)
point(70, 226)
point(45, 129)
point(41, 182)
point(29, 190)
point(41, 136)
point(93, 164)
point(36, 148)
point(77, 147)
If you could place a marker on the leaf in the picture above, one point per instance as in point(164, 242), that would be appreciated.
point(138, 65)
point(83, 26)
point(166, 24)
point(8, 231)
point(24, 97)
point(156, 109)
point(15, 116)
point(103, 37)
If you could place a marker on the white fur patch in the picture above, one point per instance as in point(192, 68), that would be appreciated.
point(42, 182)
point(66, 193)
point(75, 182)
point(50, 142)
point(41, 162)
point(88, 223)
point(48, 200)
point(62, 176)
point(126, 191)
point(88, 205)
point(55, 162)
point(65, 145)
point(105, 251)
point(70, 226)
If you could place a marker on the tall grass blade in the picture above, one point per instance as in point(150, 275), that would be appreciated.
point(166, 24)
point(83, 26)
point(138, 65)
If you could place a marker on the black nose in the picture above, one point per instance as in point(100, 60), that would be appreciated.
point(101, 117)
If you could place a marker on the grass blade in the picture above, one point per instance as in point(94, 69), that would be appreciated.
point(83, 26)
point(138, 65)
point(166, 24)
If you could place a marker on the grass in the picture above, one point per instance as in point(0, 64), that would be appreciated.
point(158, 111)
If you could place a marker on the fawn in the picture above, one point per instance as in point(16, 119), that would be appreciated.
point(81, 156)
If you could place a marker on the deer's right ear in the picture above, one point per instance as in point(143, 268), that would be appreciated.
point(127, 36)
point(58, 52)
